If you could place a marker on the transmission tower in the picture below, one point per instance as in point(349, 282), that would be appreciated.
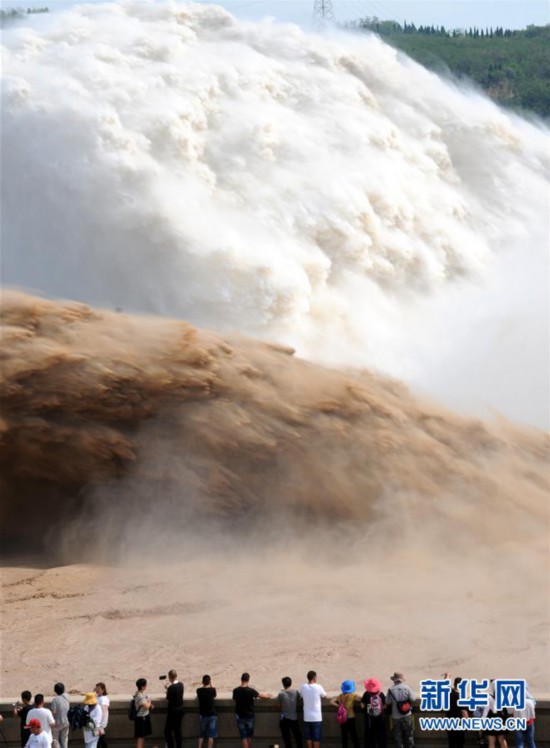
point(323, 11)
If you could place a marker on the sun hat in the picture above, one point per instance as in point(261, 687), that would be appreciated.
point(373, 685)
point(90, 699)
point(397, 676)
point(348, 686)
point(33, 723)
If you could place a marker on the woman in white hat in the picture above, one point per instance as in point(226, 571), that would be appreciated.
point(91, 728)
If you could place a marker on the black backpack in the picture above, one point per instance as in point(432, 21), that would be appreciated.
point(132, 711)
point(78, 717)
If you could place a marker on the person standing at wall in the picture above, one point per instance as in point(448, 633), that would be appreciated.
point(495, 736)
point(104, 702)
point(288, 703)
point(143, 705)
point(208, 718)
point(347, 699)
point(312, 695)
point(455, 738)
point(399, 700)
point(43, 715)
point(90, 731)
point(525, 738)
point(37, 737)
point(174, 714)
point(59, 707)
point(374, 705)
point(244, 697)
point(21, 710)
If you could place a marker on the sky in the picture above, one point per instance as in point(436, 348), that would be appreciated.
point(449, 13)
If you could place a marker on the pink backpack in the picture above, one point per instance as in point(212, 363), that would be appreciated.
point(342, 714)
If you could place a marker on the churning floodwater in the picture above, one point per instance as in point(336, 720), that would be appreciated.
point(319, 190)
point(322, 192)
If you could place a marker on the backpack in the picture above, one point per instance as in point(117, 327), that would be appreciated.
point(375, 707)
point(78, 717)
point(342, 714)
point(132, 711)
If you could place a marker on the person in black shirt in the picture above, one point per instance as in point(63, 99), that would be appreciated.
point(174, 715)
point(207, 712)
point(374, 705)
point(456, 738)
point(21, 710)
point(244, 697)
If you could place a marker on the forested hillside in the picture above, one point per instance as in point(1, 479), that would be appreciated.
point(9, 15)
point(512, 66)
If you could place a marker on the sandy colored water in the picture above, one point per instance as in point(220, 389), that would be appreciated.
point(241, 509)
point(83, 623)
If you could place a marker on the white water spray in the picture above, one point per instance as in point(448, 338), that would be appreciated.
point(320, 190)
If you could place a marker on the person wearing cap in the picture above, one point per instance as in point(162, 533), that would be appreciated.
point(399, 700)
point(348, 697)
point(92, 729)
point(43, 715)
point(374, 705)
point(37, 736)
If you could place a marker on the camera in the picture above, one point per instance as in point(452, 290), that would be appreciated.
point(163, 677)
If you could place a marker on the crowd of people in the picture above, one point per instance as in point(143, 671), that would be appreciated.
point(43, 727)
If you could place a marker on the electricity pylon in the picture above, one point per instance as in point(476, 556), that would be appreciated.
point(323, 11)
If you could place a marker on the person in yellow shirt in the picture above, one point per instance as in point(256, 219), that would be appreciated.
point(347, 698)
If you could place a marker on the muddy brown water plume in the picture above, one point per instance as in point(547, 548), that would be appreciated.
point(153, 416)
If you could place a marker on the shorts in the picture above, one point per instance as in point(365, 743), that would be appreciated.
point(208, 727)
point(246, 726)
point(313, 731)
point(142, 727)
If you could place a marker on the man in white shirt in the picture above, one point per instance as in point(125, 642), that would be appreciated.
point(44, 716)
point(37, 736)
point(312, 694)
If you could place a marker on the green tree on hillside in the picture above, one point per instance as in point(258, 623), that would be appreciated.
point(511, 65)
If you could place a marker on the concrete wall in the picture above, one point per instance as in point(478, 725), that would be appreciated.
point(120, 730)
